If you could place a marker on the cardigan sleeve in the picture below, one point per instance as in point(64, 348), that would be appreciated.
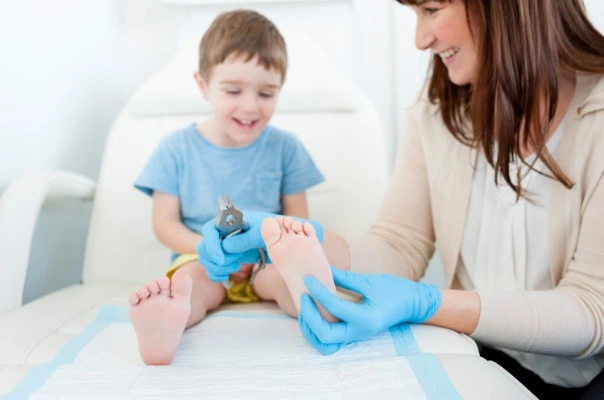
point(567, 320)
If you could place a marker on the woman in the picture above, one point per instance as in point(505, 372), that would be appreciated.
point(502, 166)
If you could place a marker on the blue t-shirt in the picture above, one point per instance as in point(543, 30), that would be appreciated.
point(186, 165)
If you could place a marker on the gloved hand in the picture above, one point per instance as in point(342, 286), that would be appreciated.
point(222, 258)
point(218, 264)
point(387, 300)
point(251, 238)
point(308, 334)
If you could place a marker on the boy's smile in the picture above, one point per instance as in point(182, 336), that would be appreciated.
point(243, 95)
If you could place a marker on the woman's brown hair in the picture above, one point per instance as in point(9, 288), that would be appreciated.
point(523, 47)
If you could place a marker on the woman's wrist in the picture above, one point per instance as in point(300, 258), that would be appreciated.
point(459, 310)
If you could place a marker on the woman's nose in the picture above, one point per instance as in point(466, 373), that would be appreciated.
point(423, 35)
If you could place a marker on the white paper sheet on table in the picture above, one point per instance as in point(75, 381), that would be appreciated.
point(256, 355)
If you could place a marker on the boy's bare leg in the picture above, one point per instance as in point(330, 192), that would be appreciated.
point(270, 285)
point(295, 252)
point(161, 310)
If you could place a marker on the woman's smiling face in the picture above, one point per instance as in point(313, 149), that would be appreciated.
point(443, 28)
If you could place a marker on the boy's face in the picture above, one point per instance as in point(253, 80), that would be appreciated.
point(243, 96)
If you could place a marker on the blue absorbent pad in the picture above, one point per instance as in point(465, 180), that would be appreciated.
point(234, 354)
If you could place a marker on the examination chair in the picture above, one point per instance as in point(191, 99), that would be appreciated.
point(333, 119)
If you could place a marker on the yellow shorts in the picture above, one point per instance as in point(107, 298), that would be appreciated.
point(238, 292)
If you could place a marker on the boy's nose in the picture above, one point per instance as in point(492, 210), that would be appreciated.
point(249, 103)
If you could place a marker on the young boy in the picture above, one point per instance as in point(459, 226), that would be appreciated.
point(242, 66)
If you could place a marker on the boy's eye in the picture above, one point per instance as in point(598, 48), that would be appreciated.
point(233, 91)
point(267, 95)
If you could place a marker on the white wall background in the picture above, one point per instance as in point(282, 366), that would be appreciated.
point(68, 66)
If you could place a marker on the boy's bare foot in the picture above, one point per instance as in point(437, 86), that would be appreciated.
point(295, 251)
point(159, 313)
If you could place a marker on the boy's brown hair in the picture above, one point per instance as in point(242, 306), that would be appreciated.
point(243, 33)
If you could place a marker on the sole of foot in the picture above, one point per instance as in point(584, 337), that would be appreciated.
point(296, 252)
point(159, 313)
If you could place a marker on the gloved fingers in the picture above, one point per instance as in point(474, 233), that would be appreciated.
point(244, 241)
point(340, 308)
point(253, 257)
point(307, 333)
point(326, 333)
point(217, 278)
point(236, 259)
point(248, 257)
point(210, 244)
point(230, 268)
point(350, 280)
point(220, 273)
point(318, 229)
point(210, 262)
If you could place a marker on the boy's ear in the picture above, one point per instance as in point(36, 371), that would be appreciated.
point(201, 84)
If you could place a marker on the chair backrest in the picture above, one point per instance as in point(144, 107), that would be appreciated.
point(333, 119)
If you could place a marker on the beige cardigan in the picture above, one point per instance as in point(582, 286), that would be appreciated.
point(427, 202)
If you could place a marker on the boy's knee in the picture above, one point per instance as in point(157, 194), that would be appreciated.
point(193, 268)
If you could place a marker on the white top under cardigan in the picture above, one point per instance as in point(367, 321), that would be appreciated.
point(505, 247)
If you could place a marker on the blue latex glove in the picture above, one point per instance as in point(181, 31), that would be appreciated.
point(387, 300)
point(218, 264)
point(251, 239)
point(223, 258)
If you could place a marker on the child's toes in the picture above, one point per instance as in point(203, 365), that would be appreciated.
point(164, 285)
point(287, 223)
point(153, 288)
point(144, 292)
point(309, 230)
point(270, 231)
point(134, 298)
point(297, 226)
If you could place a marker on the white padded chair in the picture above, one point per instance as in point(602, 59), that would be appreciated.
point(333, 119)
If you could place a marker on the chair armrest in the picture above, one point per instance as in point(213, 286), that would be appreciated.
point(20, 206)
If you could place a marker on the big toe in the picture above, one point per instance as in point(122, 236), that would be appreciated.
point(270, 231)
